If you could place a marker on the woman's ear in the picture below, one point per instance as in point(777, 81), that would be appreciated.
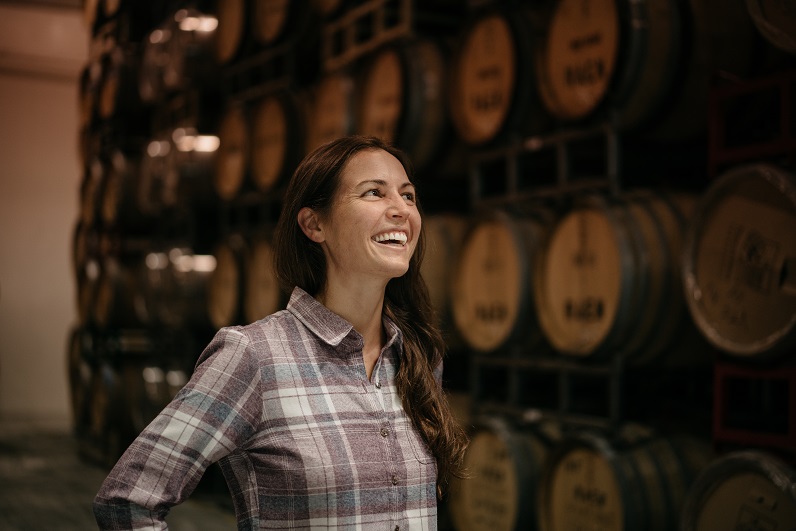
point(308, 221)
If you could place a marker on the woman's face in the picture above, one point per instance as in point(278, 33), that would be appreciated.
point(373, 224)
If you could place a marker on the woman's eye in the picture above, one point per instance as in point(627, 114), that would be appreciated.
point(374, 192)
point(409, 196)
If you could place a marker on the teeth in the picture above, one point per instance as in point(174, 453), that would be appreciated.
point(399, 237)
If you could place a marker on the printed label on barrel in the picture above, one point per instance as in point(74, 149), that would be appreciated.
point(583, 493)
point(487, 294)
point(382, 97)
point(484, 83)
point(488, 499)
point(269, 143)
point(744, 268)
point(581, 282)
point(580, 56)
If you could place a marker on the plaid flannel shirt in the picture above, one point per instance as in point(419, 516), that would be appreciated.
point(303, 438)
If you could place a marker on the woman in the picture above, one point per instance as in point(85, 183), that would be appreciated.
point(329, 413)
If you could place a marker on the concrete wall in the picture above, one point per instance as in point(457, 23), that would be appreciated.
point(42, 50)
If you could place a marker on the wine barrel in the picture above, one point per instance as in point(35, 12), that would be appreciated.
point(111, 8)
point(444, 239)
point(504, 464)
point(278, 139)
point(607, 280)
point(90, 187)
point(276, 21)
point(107, 426)
point(492, 294)
point(190, 49)
point(225, 300)
point(156, 173)
point(230, 34)
point(232, 160)
point(748, 489)
point(589, 481)
point(492, 90)
point(149, 386)
point(401, 98)
point(176, 287)
point(118, 205)
point(117, 300)
point(190, 166)
point(153, 61)
point(738, 263)
point(263, 296)
point(650, 62)
point(118, 95)
point(331, 109)
point(79, 366)
point(776, 21)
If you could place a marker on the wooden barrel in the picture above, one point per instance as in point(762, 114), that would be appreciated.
point(119, 208)
point(190, 49)
point(262, 295)
point(748, 489)
point(107, 426)
point(80, 368)
point(90, 187)
point(90, 12)
point(492, 294)
point(232, 160)
point(275, 21)
point(738, 264)
point(149, 386)
point(607, 278)
point(111, 8)
point(225, 300)
point(230, 34)
point(117, 302)
point(590, 482)
point(118, 96)
point(190, 166)
point(176, 287)
point(635, 58)
point(776, 21)
point(278, 139)
point(154, 58)
point(156, 172)
point(492, 89)
point(504, 465)
point(444, 238)
point(331, 109)
point(401, 98)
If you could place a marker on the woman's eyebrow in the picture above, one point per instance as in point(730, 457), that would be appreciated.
point(381, 182)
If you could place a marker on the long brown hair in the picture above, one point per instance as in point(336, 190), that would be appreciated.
point(301, 262)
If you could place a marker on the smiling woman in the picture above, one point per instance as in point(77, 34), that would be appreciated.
point(336, 399)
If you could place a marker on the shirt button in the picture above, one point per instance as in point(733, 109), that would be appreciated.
point(397, 528)
point(378, 385)
point(384, 432)
point(394, 480)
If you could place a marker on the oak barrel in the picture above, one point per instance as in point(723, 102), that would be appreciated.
point(278, 138)
point(331, 109)
point(492, 88)
point(748, 489)
point(262, 296)
point(739, 262)
point(232, 159)
point(504, 464)
point(225, 299)
point(492, 293)
point(592, 482)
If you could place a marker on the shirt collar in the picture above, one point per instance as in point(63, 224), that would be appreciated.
point(327, 325)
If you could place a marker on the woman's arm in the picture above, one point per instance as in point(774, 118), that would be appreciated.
point(216, 412)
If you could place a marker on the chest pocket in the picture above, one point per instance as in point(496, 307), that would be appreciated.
point(420, 449)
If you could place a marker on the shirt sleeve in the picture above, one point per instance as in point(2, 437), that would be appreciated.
point(216, 412)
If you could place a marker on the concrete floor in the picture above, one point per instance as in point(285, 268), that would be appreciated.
point(45, 485)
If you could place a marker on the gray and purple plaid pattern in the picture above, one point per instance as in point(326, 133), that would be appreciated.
point(303, 438)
